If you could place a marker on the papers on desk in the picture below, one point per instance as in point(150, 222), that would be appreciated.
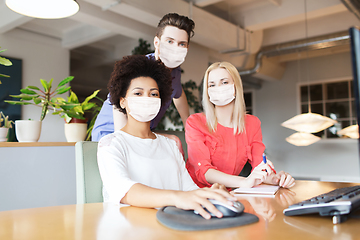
point(260, 190)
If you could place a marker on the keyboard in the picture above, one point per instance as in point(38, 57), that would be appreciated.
point(340, 201)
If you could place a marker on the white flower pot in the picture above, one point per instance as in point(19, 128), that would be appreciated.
point(3, 134)
point(27, 130)
point(75, 132)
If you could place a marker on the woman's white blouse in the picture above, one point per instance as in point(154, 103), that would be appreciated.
point(124, 160)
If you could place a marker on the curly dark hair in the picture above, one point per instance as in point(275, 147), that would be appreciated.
point(176, 20)
point(131, 67)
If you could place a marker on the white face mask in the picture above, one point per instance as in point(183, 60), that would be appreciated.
point(223, 95)
point(144, 109)
point(172, 56)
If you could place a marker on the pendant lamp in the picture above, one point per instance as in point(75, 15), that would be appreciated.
point(302, 139)
point(47, 9)
point(350, 131)
point(307, 123)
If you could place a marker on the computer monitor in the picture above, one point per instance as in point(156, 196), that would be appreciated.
point(355, 56)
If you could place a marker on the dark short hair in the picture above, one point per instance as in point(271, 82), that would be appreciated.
point(131, 67)
point(176, 20)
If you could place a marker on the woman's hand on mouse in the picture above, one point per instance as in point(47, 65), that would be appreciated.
point(198, 200)
point(219, 186)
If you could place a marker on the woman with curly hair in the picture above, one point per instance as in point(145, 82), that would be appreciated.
point(137, 166)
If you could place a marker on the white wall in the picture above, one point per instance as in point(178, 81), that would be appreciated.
point(42, 57)
point(331, 159)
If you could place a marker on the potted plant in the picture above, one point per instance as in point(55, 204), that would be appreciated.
point(30, 130)
point(5, 124)
point(73, 111)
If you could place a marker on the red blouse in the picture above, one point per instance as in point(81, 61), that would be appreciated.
point(221, 150)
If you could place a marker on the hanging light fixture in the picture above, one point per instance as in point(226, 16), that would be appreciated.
point(302, 139)
point(47, 9)
point(350, 131)
point(307, 123)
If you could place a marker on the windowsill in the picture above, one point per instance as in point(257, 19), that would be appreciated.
point(36, 144)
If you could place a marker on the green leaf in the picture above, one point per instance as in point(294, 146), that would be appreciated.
point(3, 75)
point(91, 96)
point(27, 91)
point(75, 115)
point(24, 96)
point(50, 83)
point(37, 101)
point(68, 106)
point(65, 81)
point(78, 109)
point(17, 102)
point(27, 97)
point(44, 83)
point(67, 118)
point(73, 98)
point(15, 96)
point(33, 87)
point(5, 62)
point(63, 89)
point(88, 106)
point(60, 99)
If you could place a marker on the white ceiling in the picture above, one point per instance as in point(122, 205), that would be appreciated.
point(96, 34)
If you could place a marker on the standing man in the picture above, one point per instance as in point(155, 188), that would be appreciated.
point(171, 45)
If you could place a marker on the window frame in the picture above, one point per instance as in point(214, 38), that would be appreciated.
point(322, 82)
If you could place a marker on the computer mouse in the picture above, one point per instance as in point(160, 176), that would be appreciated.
point(227, 210)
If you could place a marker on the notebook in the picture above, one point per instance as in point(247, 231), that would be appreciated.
point(262, 189)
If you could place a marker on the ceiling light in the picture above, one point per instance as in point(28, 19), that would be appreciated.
point(302, 139)
point(309, 122)
point(350, 131)
point(47, 9)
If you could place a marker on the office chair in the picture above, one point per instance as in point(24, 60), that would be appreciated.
point(88, 180)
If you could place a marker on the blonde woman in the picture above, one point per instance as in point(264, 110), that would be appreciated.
point(223, 138)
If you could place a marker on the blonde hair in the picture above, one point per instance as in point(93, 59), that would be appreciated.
point(238, 114)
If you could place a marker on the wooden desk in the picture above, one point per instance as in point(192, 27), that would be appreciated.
point(109, 221)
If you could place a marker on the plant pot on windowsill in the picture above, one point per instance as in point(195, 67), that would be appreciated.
point(75, 130)
point(73, 112)
point(5, 124)
point(28, 130)
point(3, 134)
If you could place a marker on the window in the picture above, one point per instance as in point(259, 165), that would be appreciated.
point(248, 102)
point(332, 99)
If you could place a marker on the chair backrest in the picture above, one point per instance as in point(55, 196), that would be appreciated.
point(88, 180)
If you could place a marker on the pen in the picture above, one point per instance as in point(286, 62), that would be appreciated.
point(264, 160)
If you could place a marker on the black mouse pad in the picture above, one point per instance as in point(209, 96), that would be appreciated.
point(179, 219)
